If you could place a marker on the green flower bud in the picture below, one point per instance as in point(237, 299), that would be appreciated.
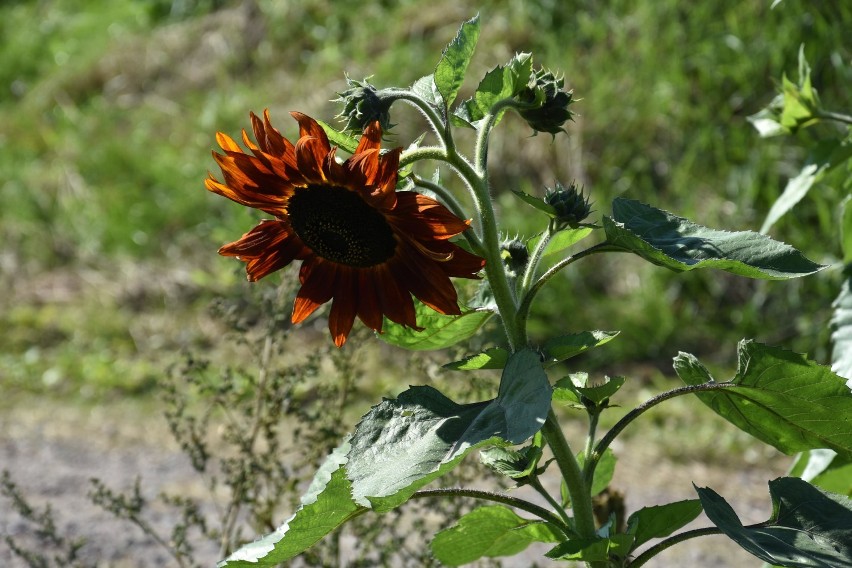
point(547, 102)
point(515, 256)
point(362, 106)
point(570, 204)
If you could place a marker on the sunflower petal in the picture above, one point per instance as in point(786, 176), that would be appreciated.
point(318, 287)
point(344, 307)
point(369, 308)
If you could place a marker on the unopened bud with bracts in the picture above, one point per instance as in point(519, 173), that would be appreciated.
point(362, 105)
point(515, 256)
point(571, 206)
point(546, 101)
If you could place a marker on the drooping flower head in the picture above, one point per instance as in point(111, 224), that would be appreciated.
point(363, 245)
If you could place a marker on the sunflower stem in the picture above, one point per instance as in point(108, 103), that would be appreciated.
point(530, 294)
point(581, 499)
point(432, 114)
point(453, 205)
point(535, 258)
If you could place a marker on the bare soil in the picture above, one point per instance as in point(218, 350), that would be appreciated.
point(52, 451)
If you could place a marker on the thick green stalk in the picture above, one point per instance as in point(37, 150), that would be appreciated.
point(581, 500)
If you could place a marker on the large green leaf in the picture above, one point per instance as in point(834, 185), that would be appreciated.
point(679, 244)
point(491, 531)
point(809, 528)
point(326, 505)
point(661, 520)
point(403, 444)
point(449, 74)
point(779, 397)
point(439, 330)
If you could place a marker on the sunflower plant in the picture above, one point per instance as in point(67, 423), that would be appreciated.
point(382, 244)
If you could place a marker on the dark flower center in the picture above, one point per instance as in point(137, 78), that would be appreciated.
point(338, 225)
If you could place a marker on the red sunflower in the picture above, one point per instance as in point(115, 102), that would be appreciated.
point(363, 245)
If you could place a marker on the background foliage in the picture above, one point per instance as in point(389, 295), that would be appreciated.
point(108, 111)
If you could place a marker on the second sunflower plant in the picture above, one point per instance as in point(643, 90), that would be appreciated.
point(382, 243)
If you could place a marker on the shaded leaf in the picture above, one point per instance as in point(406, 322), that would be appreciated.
point(439, 330)
point(516, 464)
point(536, 202)
point(451, 69)
point(403, 444)
point(326, 505)
point(779, 397)
point(567, 346)
point(426, 89)
point(661, 520)
point(809, 528)
point(680, 245)
point(490, 531)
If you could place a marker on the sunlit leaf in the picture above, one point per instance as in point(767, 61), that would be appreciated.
point(679, 244)
point(809, 528)
point(338, 138)
point(826, 470)
point(503, 82)
point(841, 331)
point(405, 443)
point(326, 505)
point(779, 397)
point(494, 358)
point(536, 202)
point(491, 532)
point(451, 69)
point(825, 157)
point(439, 330)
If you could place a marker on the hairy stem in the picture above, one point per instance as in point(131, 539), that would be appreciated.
point(521, 504)
point(581, 501)
point(604, 443)
point(669, 542)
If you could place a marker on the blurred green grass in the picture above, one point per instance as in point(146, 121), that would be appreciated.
point(108, 111)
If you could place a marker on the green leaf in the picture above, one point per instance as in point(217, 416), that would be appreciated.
point(661, 520)
point(491, 531)
point(841, 330)
point(439, 330)
point(516, 464)
point(809, 528)
point(567, 346)
point(779, 397)
point(536, 202)
point(846, 229)
point(502, 82)
point(403, 444)
point(338, 138)
point(573, 389)
point(326, 505)
point(679, 244)
point(825, 469)
point(824, 158)
point(603, 471)
point(494, 358)
point(449, 74)
point(426, 89)
point(566, 238)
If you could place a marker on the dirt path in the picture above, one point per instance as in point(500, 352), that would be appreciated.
point(52, 451)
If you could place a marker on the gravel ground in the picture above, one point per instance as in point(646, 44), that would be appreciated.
point(52, 452)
